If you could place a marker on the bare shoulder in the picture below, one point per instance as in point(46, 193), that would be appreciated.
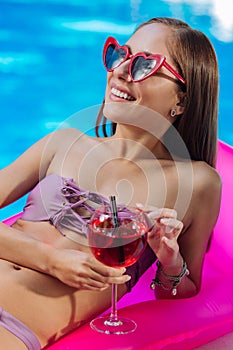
point(61, 136)
point(70, 135)
point(206, 198)
point(63, 140)
point(206, 178)
point(204, 187)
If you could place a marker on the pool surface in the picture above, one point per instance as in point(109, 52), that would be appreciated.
point(50, 60)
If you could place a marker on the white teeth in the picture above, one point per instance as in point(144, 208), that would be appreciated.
point(121, 94)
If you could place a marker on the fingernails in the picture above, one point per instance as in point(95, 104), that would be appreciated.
point(104, 287)
point(128, 278)
point(139, 205)
point(165, 221)
point(168, 229)
point(154, 214)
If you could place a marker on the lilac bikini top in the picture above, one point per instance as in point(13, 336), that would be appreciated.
point(61, 202)
point(66, 206)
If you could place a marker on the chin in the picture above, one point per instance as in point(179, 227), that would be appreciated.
point(116, 112)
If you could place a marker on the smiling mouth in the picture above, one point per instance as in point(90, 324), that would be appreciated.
point(122, 94)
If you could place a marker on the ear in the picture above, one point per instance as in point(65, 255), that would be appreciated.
point(181, 104)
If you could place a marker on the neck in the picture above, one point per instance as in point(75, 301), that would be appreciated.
point(142, 126)
point(134, 143)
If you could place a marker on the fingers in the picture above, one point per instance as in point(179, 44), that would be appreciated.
point(104, 270)
point(163, 221)
point(109, 275)
point(164, 232)
point(82, 271)
point(162, 213)
point(89, 279)
point(97, 276)
point(166, 227)
point(92, 284)
point(171, 227)
point(165, 217)
point(96, 285)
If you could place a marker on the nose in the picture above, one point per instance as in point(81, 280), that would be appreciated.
point(122, 71)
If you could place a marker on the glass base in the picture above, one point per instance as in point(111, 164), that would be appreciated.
point(106, 325)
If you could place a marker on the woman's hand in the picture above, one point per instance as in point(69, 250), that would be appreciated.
point(163, 237)
point(164, 234)
point(82, 271)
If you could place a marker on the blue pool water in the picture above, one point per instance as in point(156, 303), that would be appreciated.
point(50, 60)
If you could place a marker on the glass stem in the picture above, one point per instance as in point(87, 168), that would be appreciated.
point(113, 315)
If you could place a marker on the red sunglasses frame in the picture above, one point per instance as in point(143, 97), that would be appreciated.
point(160, 61)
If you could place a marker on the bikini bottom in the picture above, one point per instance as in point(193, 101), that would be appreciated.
point(19, 329)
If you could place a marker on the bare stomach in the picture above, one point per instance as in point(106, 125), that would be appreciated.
point(46, 305)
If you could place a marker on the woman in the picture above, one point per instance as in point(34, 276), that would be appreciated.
point(50, 282)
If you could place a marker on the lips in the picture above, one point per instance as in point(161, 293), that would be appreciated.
point(122, 94)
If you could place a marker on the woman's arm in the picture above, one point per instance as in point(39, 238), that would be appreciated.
point(15, 181)
point(20, 177)
point(175, 245)
point(76, 269)
point(20, 248)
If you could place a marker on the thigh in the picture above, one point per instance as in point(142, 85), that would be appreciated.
point(9, 341)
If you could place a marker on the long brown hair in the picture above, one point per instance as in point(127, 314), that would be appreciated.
point(195, 59)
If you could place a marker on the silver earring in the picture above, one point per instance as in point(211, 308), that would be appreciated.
point(173, 113)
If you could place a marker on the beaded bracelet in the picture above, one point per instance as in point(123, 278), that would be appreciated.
point(173, 281)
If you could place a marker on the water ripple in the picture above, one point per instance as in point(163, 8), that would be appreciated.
point(19, 62)
point(100, 26)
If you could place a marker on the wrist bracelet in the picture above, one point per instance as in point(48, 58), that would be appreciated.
point(172, 281)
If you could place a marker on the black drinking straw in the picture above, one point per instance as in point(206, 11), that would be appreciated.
point(116, 225)
point(114, 211)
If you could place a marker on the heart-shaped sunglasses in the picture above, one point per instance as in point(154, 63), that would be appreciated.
point(140, 67)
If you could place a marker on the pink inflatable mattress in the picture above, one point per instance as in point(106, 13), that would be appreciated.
point(176, 324)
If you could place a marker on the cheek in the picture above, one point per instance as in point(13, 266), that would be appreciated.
point(159, 98)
